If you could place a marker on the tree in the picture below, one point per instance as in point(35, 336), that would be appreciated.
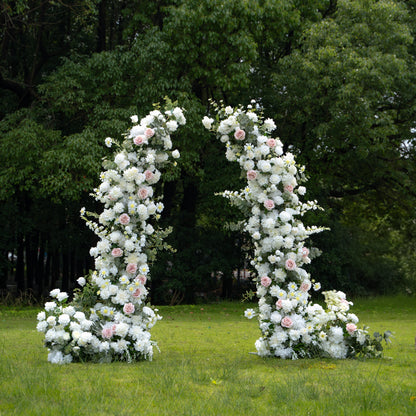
point(346, 105)
point(338, 76)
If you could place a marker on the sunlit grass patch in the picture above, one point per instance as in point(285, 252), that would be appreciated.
point(205, 368)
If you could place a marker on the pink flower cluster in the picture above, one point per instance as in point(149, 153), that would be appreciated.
point(240, 134)
point(124, 219)
point(108, 331)
point(128, 308)
point(269, 204)
point(139, 140)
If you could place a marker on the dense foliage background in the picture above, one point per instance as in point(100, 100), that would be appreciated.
point(339, 78)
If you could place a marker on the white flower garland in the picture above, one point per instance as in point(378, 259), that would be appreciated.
point(291, 326)
point(108, 319)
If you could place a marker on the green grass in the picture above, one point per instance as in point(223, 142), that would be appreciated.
point(205, 368)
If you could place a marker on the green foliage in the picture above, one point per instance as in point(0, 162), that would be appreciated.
point(348, 89)
point(23, 144)
point(156, 244)
point(337, 76)
point(86, 298)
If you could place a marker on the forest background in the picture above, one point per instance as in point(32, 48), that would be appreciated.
point(338, 77)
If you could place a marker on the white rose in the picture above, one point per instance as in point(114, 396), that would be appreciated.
point(50, 306)
point(64, 319)
point(230, 155)
point(301, 190)
point(256, 235)
point(79, 316)
point(69, 310)
point(62, 296)
point(149, 229)
point(178, 113)
point(42, 326)
point(172, 125)
point(285, 216)
point(224, 138)
point(275, 179)
point(41, 316)
point(264, 166)
point(51, 320)
point(207, 122)
point(269, 124)
point(54, 293)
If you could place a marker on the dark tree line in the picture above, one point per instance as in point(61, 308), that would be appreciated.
point(337, 76)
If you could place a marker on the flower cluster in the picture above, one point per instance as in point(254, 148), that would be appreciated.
point(108, 319)
point(291, 326)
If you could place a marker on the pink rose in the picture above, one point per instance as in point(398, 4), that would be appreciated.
point(305, 286)
point(351, 328)
point(289, 188)
point(290, 264)
point(148, 175)
point(124, 219)
point(139, 140)
point(107, 332)
point(240, 134)
point(266, 281)
point(137, 293)
point(128, 308)
point(149, 133)
point(305, 252)
point(116, 252)
point(143, 193)
point(269, 204)
point(279, 304)
point(271, 143)
point(131, 268)
point(141, 278)
point(286, 322)
point(251, 175)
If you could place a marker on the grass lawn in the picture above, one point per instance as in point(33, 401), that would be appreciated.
point(204, 368)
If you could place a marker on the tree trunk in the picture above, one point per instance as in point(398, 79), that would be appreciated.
point(20, 264)
point(72, 269)
point(31, 245)
point(47, 271)
point(188, 206)
point(65, 270)
point(40, 266)
point(56, 263)
point(169, 192)
point(101, 30)
point(227, 285)
point(4, 269)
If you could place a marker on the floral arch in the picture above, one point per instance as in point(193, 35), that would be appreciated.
point(291, 326)
point(109, 320)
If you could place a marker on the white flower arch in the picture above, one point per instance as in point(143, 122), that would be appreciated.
point(109, 319)
point(291, 326)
